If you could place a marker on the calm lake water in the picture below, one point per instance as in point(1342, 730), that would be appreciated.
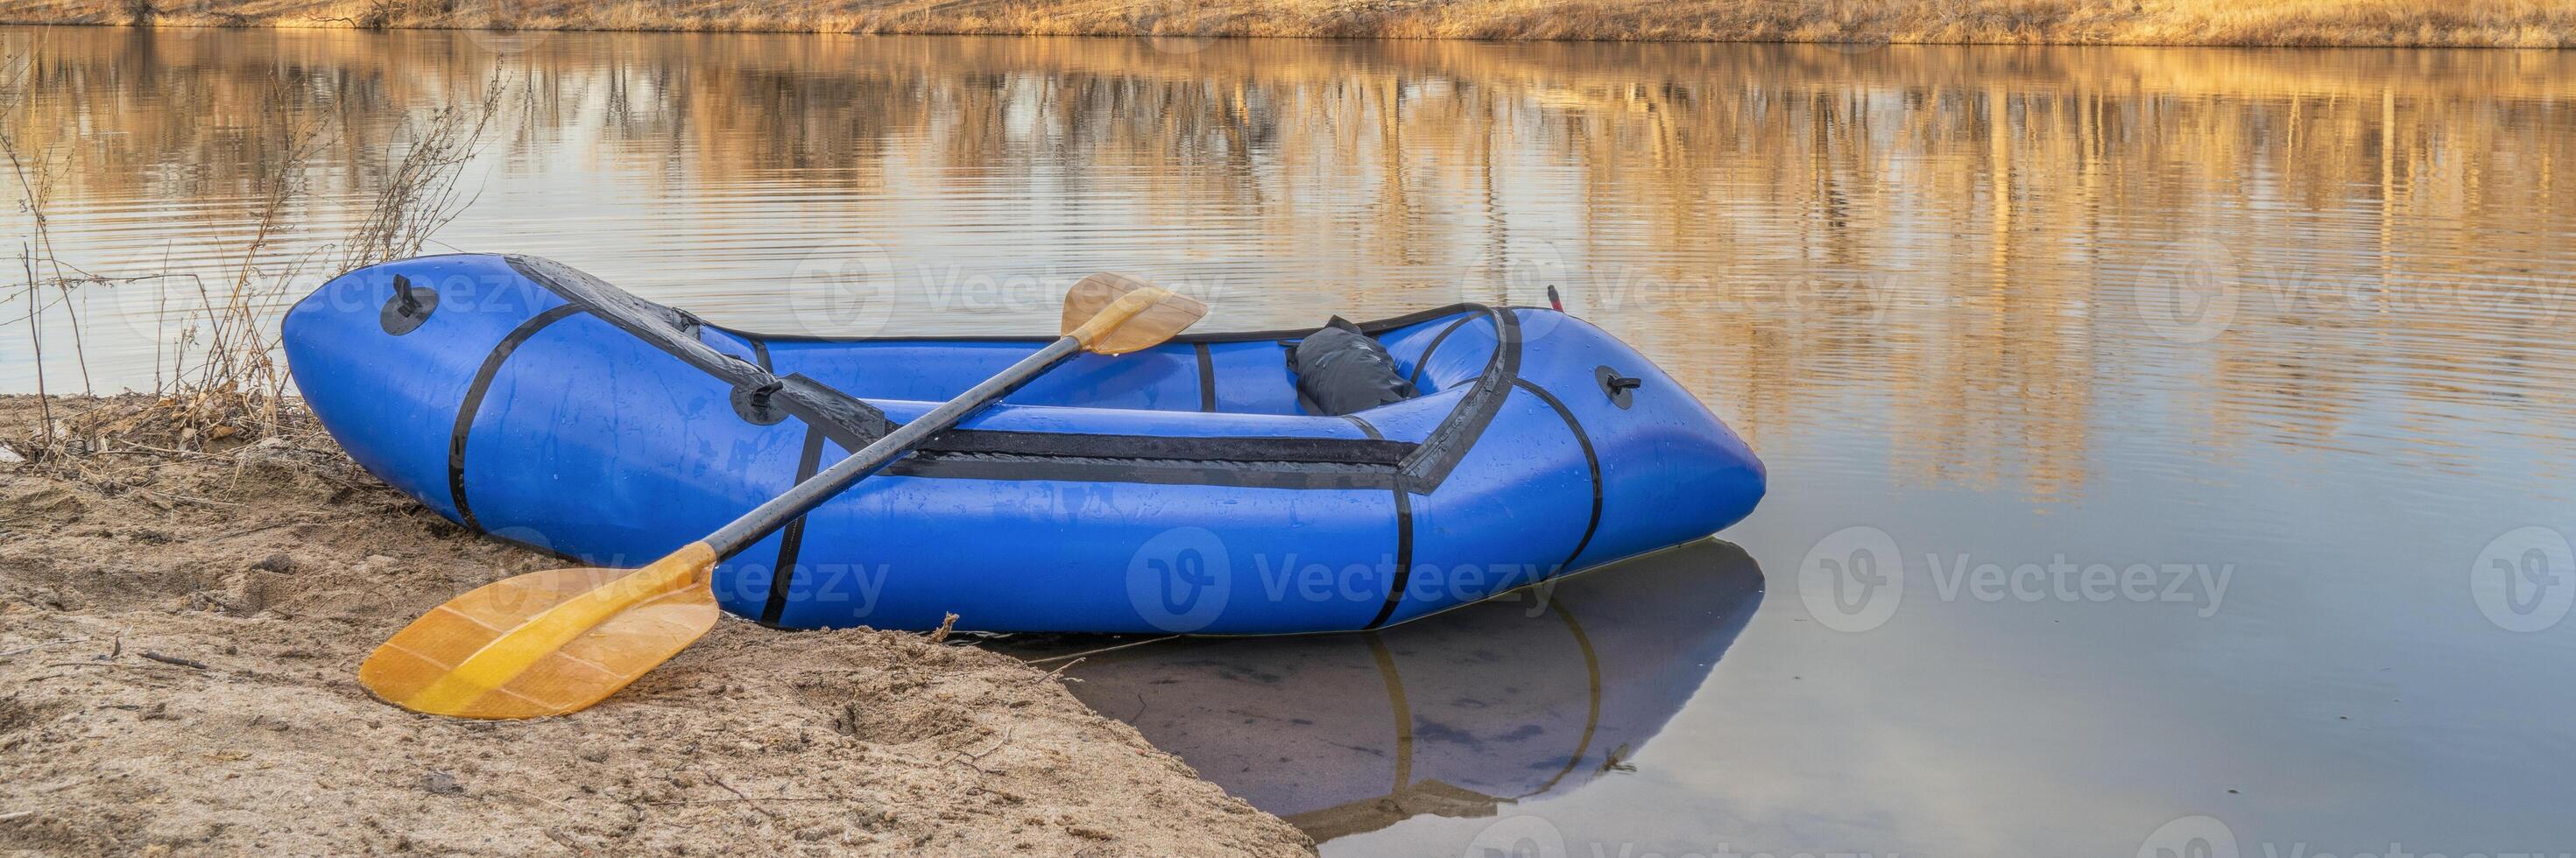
point(2170, 449)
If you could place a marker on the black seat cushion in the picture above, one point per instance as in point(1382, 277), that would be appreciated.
point(1341, 370)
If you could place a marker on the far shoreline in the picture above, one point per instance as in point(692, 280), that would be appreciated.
point(2171, 23)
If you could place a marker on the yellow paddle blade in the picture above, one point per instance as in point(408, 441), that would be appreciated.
point(545, 643)
point(1093, 314)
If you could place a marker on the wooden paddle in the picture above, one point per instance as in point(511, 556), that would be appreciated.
point(554, 642)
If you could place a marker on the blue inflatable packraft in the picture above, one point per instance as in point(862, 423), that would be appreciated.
point(1178, 489)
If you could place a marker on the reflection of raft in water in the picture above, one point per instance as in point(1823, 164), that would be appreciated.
point(1455, 714)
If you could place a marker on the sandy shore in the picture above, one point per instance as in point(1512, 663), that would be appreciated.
point(2395, 23)
point(178, 633)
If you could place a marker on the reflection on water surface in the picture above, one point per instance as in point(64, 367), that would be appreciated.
point(1461, 714)
point(2294, 324)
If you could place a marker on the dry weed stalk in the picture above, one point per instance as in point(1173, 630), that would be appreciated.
point(422, 195)
point(228, 384)
point(238, 381)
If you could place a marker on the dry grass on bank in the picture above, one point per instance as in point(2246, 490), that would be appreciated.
point(223, 376)
point(2410, 23)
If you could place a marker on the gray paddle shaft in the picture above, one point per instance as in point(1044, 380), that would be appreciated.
point(780, 510)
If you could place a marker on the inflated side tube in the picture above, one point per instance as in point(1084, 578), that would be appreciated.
point(1177, 489)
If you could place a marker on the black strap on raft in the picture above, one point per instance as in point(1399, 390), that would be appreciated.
point(1207, 377)
point(407, 308)
point(472, 404)
point(1403, 536)
point(1424, 362)
point(791, 541)
point(1591, 467)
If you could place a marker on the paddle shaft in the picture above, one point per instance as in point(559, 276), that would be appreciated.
point(780, 510)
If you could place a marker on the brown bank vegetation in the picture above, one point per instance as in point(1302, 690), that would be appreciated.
point(2480, 23)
